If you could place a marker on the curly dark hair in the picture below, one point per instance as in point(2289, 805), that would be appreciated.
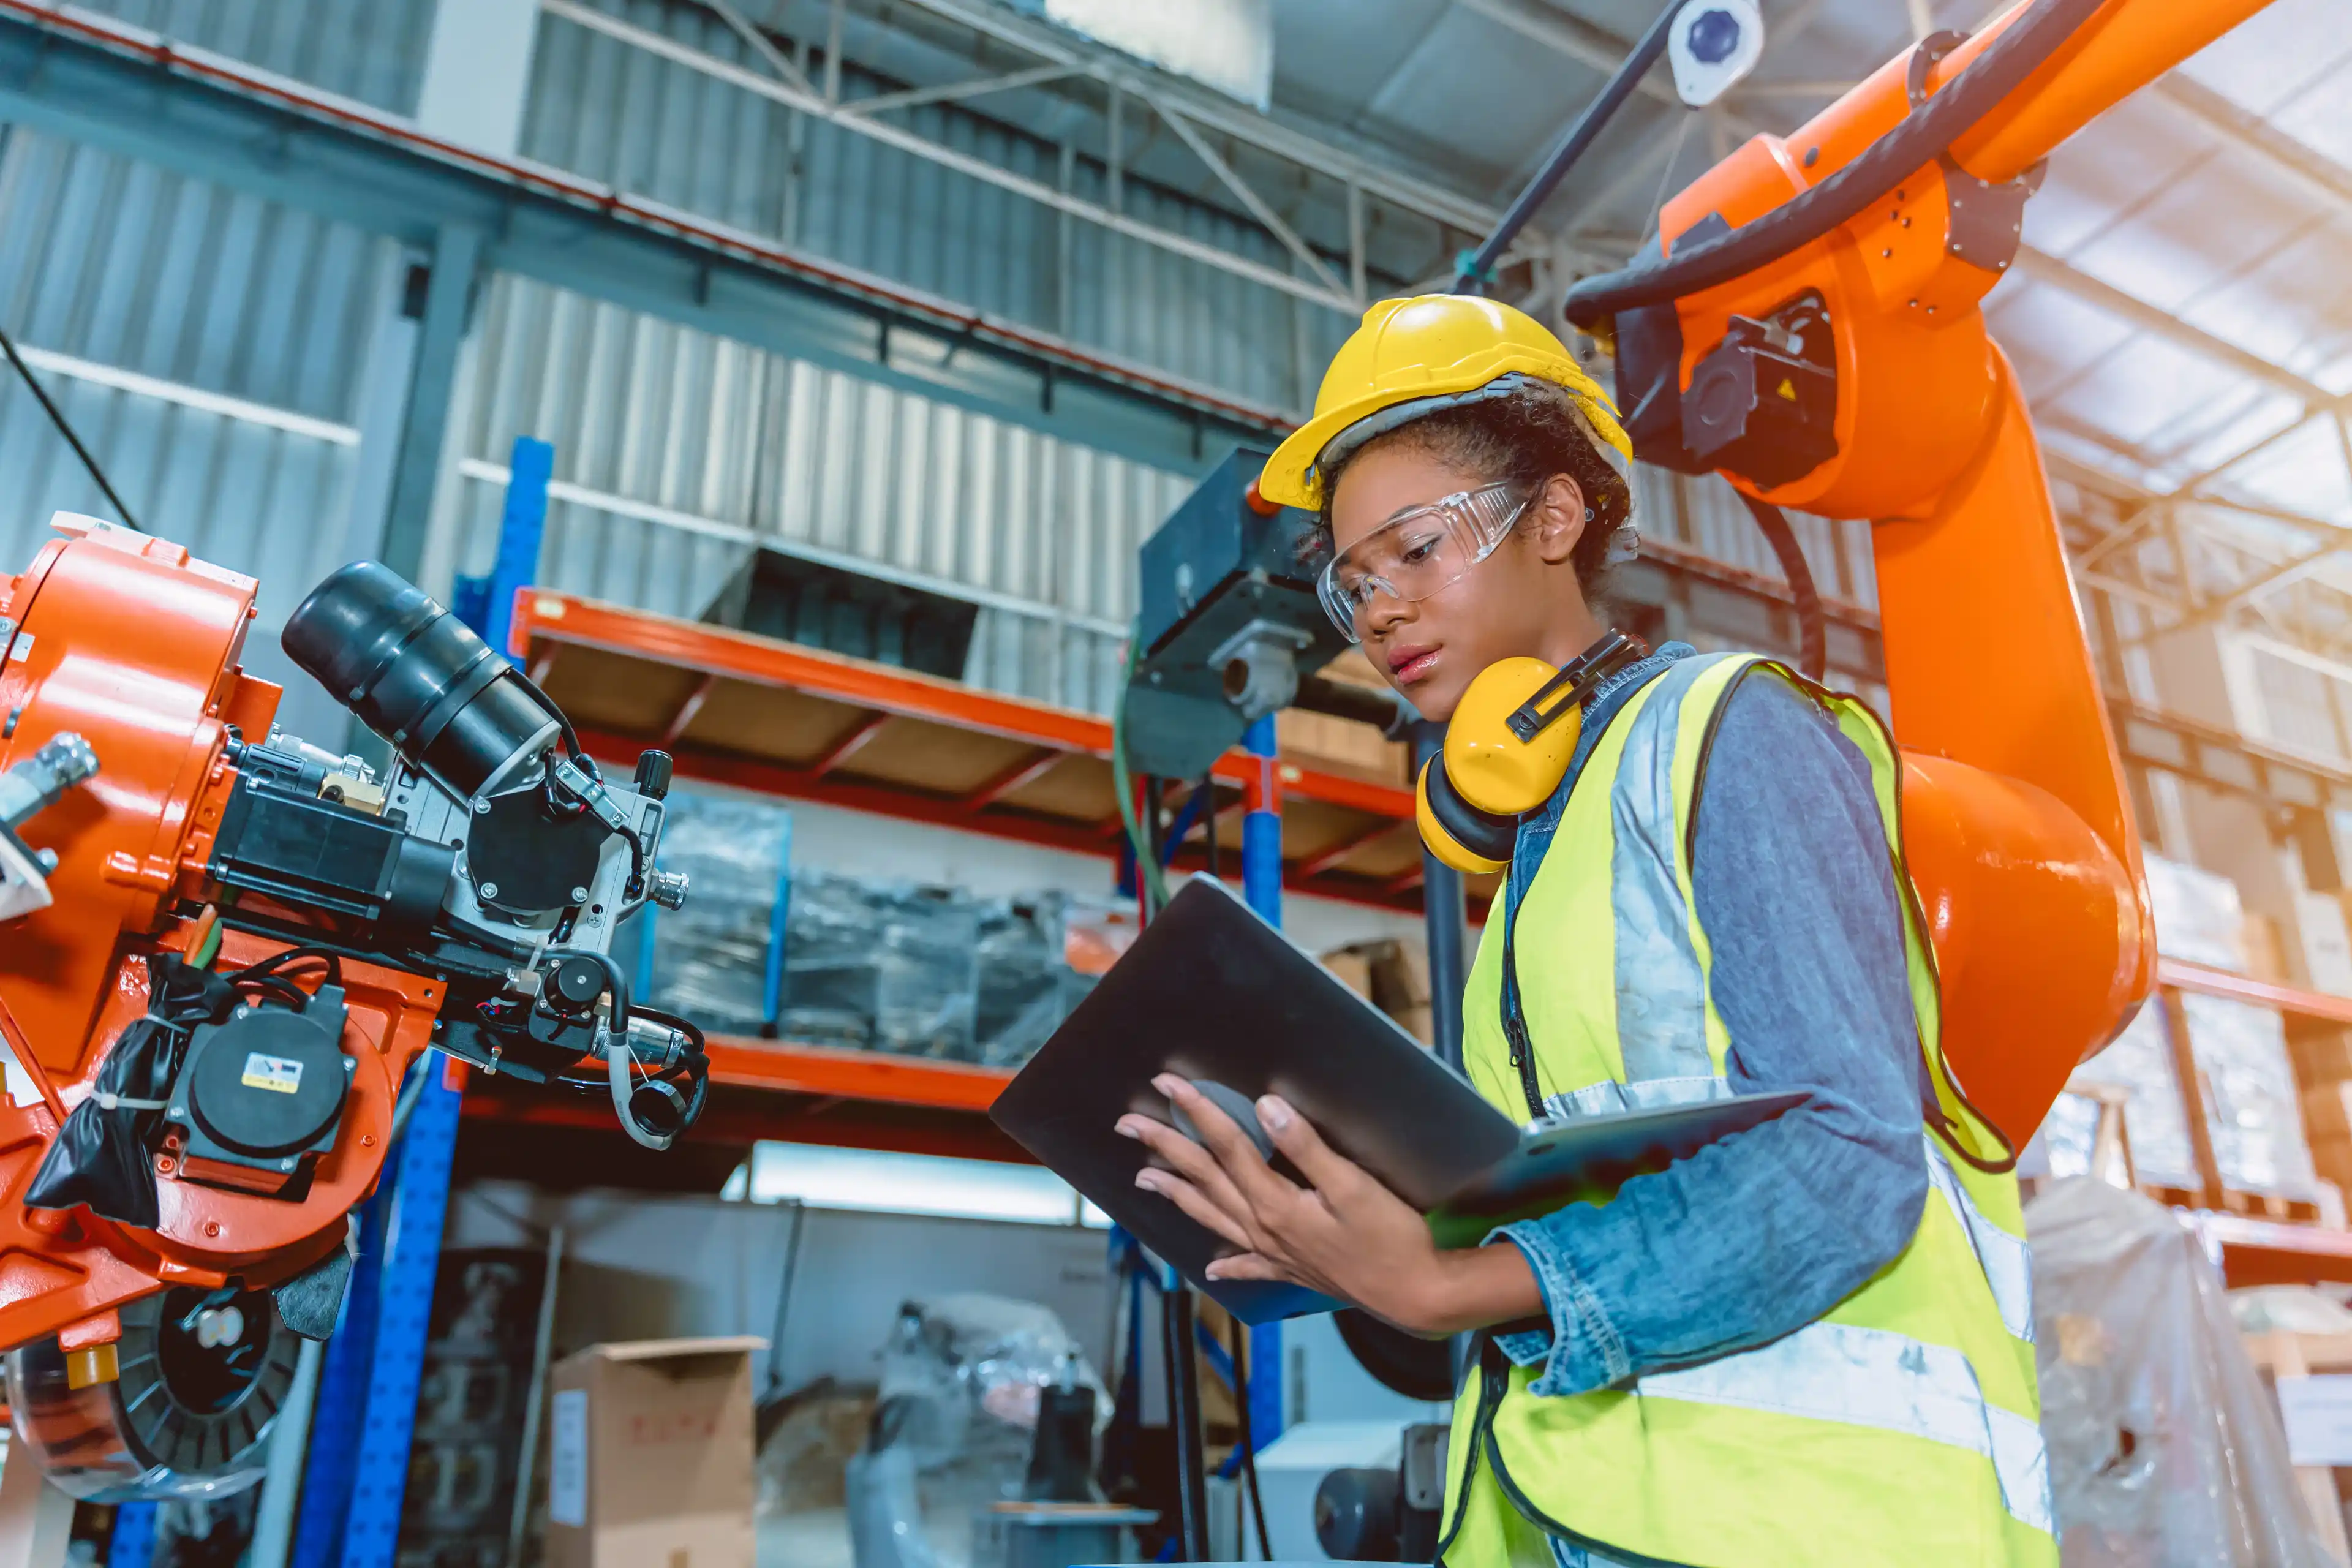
point(1521, 440)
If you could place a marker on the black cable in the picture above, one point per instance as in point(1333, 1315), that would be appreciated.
point(278, 960)
point(695, 1064)
point(1209, 822)
point(564, 724)
point(491, 942)
point(57, 417)
point(1573, 143)
point(1927, 135)
point(1242, 1381)
point(1154, 825)
point(1813, 625)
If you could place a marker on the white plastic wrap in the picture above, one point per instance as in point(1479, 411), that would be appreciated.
point(2140, 1061)
point(2165, 1448)
point(2250, 1100)
point(882, 965)
point(2197, 914)
point(962, 1376)
point(710, 957)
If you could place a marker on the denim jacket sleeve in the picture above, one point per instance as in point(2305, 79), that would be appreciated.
point(1760, 1233)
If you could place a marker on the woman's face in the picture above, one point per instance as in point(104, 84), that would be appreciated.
point(1524, 599)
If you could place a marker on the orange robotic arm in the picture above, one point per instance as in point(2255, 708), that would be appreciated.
point(245, 944)
point(1812, 330)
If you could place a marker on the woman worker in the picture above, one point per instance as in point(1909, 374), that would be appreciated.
point(1811, 1343)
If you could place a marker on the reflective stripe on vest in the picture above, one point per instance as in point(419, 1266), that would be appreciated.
point(1654, 1038)
point(1871, 1378)
point(2006, 1262)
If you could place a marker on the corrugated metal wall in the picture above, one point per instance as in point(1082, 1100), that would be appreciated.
point(120, 265)
point(657, 128)
point(677, 453)
point(1706, 514)
point(373, 50)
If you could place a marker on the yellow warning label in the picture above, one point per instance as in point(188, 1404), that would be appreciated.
point(278, 1075)
point(1788, 389)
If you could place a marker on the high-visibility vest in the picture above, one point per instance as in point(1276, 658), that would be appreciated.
point(1903, 1426)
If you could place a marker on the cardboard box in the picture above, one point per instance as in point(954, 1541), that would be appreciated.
point(650, 1462)
point(1353, 969)
point(2327, 942)
point(1343, 746)
point(2264, 949)
point(2327, 1113)
point(2322, 1051)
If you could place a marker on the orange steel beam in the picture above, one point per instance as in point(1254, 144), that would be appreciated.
point(544, 617)
point(1012, 779)
point(805, 1094)
point(688, 710)
point(859, 736)
point(2180, 975)
point(2264, 1252)
point(1322, 860)
point(871, 1076)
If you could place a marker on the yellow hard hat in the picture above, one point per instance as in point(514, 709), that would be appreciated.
point(1431, 349)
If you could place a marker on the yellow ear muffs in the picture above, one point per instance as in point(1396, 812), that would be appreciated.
point(1507, 748)
point(1491, 767)
point(1473, 842)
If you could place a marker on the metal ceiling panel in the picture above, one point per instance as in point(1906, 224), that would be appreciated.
point(2278, 56)
point(373, 50)
point(2050, 335)
point(657, 128)
point(2305, 472)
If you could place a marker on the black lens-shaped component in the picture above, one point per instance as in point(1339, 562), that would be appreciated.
point(418, 676)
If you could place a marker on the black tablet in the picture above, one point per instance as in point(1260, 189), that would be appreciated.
point(1211, 992)
point(1588, 1159)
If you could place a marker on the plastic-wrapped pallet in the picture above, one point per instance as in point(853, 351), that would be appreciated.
point(832, 962)
point(2250, 1098)
point(2197, 914)
point(710, 957)
point(883, 966)
point(2140, 1061)
point(1039, 957)
point(2164, 1446)
point(1018, 986)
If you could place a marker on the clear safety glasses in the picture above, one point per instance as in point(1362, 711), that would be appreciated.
point(1417, 553)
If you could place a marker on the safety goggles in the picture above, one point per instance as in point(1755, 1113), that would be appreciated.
point(1417, 553)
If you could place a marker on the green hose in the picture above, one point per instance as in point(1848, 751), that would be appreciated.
point(1147, 863)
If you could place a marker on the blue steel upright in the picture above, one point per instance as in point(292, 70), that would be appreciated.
point(1262, 886)
point(520, 529)
point(375, 1363)
point(132, 1543)
point(412, 1261)
point(333, 1456)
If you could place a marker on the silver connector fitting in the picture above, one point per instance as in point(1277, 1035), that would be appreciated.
point(666, 889)
point(35, 782)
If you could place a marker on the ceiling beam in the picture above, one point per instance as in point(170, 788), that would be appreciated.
point(2319, 176)
point(2158, 322)
point(907, 139)
point(1410, 191)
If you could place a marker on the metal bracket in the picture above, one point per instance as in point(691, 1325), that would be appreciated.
point(1258, 666)
point(1987, 222)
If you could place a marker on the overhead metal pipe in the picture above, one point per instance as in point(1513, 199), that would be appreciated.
point(1573, 143)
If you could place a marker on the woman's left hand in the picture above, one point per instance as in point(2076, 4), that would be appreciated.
point(1344, 1234)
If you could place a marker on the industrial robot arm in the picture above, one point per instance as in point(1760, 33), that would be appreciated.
point(1810, 327)
point(233, 945)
